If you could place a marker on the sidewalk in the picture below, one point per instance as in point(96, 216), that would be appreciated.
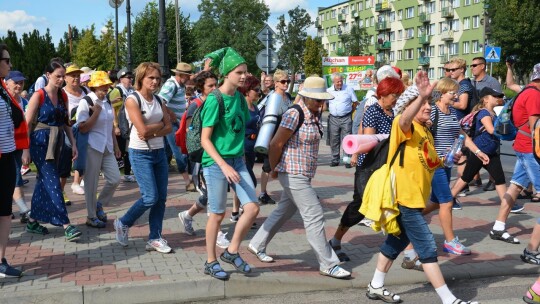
point(97, 269)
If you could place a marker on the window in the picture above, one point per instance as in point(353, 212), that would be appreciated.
point(466, 23)
point(409, 54)
point(367, 22)
point(372, 21)
point(327, 15)
point(430, 73)
point(454, 25)
point(467, 2)
point(333, 14)
point(334, 30)
point(430, 51)
point(455, 3)
point(476, 21)
point(344, 10)
point(399, 34)
point(420, 31)
point(475, 46)
point(360, 5)
point(441, 50)
point(409, 12)
point(409, 33)
point(392, 56)
point(453, 48)
point(441, 72)
point(476, 1)
point(466, 47)
point(371, 40)
point(368, 4)
point(326, 30)
point(392, 36)
point(430, 7)
point(361, 23)
point(419, 52)
point(320, 33)
point(400, 55)
point(430, 30)
point(333, 46)
point(400, 15)
point(392, 16)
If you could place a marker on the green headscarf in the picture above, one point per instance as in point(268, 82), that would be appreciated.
point(225, 59)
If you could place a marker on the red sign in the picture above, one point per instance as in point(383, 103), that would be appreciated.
point(361, 60)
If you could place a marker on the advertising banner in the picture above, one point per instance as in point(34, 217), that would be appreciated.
point(354, 70)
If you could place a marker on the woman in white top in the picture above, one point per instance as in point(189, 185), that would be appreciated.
point(96, 118)
point(147, 156)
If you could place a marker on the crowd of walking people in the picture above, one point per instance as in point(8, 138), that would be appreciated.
point(128, 119)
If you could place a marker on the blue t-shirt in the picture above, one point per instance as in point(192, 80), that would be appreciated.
point(376, 118)
point(252, 127)
point(465, 86)
point(486, 142)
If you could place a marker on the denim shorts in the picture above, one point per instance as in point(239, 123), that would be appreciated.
point(526, 170)
point(18, 164)
point(217, 183)
point(415, 230)
point(440, 186)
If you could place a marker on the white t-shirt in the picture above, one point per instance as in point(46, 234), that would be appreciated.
point(73, 100)
point(151, 113)
point(100, 136)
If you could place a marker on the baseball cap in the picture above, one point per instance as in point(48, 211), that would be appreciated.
point(536, 72)
point(124, 73)
point(16, 76)
point(489, 91)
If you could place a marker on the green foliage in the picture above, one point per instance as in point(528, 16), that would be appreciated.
point(313, 53)
point(355, 42)
point(88, 51)
point(233, 23)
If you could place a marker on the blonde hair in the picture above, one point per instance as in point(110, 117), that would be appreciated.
point(406, 78)
point(462, 64)
point(447, 84)
point(278, 74)
point(142, 70)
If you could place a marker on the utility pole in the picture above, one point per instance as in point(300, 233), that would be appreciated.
point(70, 40)
point(178, 46)
point(163, 42)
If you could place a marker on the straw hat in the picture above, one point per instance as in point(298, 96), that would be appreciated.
point(73, 69)
point(315, 87)
point(182, 68)
point(87, 70)
point(98, 79)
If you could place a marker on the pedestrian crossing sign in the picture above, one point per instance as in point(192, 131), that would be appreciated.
point(493, 54)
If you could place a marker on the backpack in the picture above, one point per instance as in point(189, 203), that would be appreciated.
point(468, 123)
point(180, 135)
point(475, 97)
point(123, 124)
point(32, 88)
point(536, 140)
point(504, 124)
point(193, 137)
point(41, 93)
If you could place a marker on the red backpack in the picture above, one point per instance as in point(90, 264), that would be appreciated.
point(180, 135)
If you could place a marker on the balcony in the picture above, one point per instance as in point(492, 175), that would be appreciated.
point(318, 23)
point(382, 26)
point(424, 17)
point(424, 39)
point(444, 58)
point(383, 46)
point(341, 17)
point(382, 6)
point(447, 12)
point(423, 61)
point(355, 14)
point(447, 35)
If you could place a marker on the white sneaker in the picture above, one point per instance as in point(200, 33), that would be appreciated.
point(129, 178)
point(82, 183)
point(159, 245)
point(77, 189)
point(187, 222)
point(222, 241)
point(122, 232)
point(335, 272)
point(261, 255)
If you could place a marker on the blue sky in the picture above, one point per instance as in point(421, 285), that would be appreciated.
point(25, 15)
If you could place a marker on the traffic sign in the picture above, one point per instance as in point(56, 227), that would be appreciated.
point(266, 34)
point(493, 54)
point(262, 60)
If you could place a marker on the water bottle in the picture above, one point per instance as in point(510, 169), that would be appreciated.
point(458, 144)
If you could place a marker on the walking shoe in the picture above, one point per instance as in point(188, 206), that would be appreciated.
point(456, 205)
point(95, 222)
point(25, 169)
point(159, 245)
point(122, 232)
point(191, 187)
point(490, 186)
point(531, 257)
point(503, 235)
point(234, 218)
point(77, 189)
point(24, 217)
point(261, 255)
point(334, 164)
point(517, 208)
point(66, 199)
point(264, 199)
point(35, 227)
point(72, 233)
point(222, 241)
point(187, 222)
point(455, 247)
point(383, 294)
point(120, 164)
point(6, 271)
point(335, 272)
point(129, 179)
point(101, 215)
point(412, 264)
point(464, 191)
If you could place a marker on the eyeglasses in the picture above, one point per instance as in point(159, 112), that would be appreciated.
point(451, 70)
point(8, 60)
point(475, 65)
point(284, 81)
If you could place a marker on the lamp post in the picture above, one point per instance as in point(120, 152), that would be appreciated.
point(178, 46)
point(163, 42)
point(115, 4)
point(129, 58)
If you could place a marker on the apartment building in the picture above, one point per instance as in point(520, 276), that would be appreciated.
point(410, 34)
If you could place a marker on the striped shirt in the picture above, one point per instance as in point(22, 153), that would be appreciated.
point(175, 96)
point(7, 130)
point(447, 129)
point(302, 149)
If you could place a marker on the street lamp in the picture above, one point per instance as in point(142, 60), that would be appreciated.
point(116, 4)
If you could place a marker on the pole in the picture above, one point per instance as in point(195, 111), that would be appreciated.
point(268, 37)
point(70, 40)
point(116, 36)
point(491, 69)
point(178, 46)
point(128, 12)
point(163, 41)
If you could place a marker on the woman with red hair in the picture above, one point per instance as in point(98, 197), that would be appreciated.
point(377, 120)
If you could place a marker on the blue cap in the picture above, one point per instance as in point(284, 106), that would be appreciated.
point(16, 76)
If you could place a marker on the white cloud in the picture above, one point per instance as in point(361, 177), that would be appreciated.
point(20, 22)
point(281, 6)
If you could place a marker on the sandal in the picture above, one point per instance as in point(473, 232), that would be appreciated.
point(215, 271)
point(35, 227)
point(382, 294)
point(236, 261)
point(504, 236)
point(525, 195)
point(535, 297)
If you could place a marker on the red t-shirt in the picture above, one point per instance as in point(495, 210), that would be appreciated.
point(527, 104)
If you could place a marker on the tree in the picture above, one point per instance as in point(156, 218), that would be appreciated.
point(88, 51)
point(15, 50)
point(37, 51)
point(233, 23)
point(293, 39)
point(355, 42)
point(63, 49)
point(313, 54)
point(512, 23)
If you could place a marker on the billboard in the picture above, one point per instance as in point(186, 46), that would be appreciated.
point(353, 69)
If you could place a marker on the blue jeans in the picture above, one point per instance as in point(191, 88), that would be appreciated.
point(415, 230)
point(82, 143)
point(440, 186)
point(152, 173)
point(216, 185)
point(526, 170)
point(181, 159)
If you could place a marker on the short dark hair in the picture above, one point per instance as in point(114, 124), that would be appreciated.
point(250, 83)
point(481, 59)
point(200, 79)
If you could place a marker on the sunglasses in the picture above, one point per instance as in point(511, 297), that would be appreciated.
point(8, 60)
point(451, 70)
point(285, 81)
point(475, 65)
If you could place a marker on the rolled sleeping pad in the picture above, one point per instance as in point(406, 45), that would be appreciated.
point(361, 143)
point(269, 123)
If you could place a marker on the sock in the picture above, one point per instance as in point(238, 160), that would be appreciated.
point(447, 297)
point(188, 216)
point(335, 242)
point(410, 254)
point(378, 279)
point(535, 288)
point(235, 213)
point(22, 205)
point(499, 226)
point(262, 193)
